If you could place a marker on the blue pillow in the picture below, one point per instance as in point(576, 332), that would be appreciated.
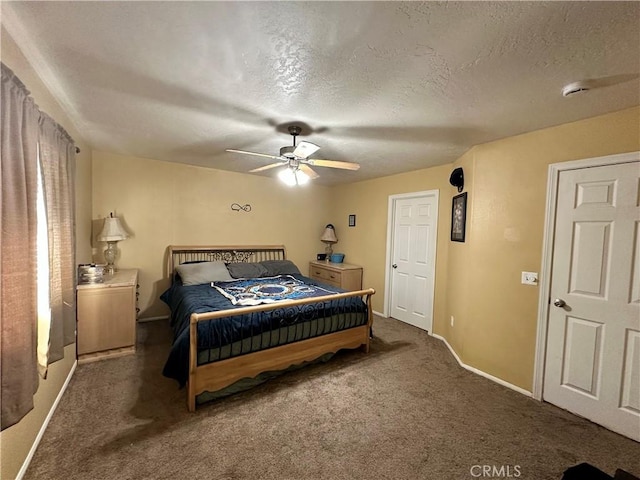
point(246, 270)
point(280, 267)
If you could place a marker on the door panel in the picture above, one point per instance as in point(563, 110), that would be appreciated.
point(402, 290)
point(592, 364)
point(631, 384)
point(634, 295)
point(590, 258)
point(421, 285)
point(582, 362)
point(404, 240)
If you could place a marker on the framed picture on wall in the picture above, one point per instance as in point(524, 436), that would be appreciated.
point(458, 217)
point(352, 220)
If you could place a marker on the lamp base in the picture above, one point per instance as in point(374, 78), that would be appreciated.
point(329, 250)
point(110, 256)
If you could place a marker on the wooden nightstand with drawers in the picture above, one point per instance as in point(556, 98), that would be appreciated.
point(107, 317)
point(342, 275)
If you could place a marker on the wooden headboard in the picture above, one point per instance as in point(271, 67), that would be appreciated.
point(227, 254)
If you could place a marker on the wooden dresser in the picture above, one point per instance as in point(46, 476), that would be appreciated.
point(342, 275)
point(107, 317)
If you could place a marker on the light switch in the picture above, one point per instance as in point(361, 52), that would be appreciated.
point(529, 278)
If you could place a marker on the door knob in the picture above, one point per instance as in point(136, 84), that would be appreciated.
point(394, 265)
point(558, 302)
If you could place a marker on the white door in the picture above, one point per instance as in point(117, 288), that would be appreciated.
point(592, 363)
point(413, 254)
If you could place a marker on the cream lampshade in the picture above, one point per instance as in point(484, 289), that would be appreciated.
point(112, 232)
point(329, 238)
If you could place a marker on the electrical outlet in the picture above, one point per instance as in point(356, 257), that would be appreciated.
point(529, 278)
point(452, 320)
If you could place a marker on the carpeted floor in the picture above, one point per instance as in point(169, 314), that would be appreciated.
point(404, 411)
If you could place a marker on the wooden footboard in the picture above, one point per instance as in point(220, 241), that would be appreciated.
point(220, 374)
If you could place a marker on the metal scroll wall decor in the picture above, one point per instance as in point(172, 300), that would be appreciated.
point(236, 207)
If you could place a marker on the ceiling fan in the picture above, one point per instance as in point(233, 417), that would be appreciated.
point(297, 161)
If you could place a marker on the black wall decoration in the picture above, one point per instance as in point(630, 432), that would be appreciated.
point(458, 217)
point(457, 179)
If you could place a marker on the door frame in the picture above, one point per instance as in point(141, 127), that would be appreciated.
point(544, 298)
point(390, 222)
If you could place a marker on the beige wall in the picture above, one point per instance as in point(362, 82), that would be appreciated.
point(478, 282)
point(495, 315)
point(16, 441)
point(164, 203)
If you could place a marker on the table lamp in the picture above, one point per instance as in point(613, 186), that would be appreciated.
point(112, 233)
point(329, 238)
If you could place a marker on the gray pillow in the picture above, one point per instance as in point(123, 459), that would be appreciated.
point(280, 267)
point(246, 270)
point(204, 272)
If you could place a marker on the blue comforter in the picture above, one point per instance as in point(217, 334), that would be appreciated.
point(214, 334)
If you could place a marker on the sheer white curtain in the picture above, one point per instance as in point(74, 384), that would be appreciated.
point(19, 134)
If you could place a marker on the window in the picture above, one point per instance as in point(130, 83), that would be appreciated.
point(44, 307)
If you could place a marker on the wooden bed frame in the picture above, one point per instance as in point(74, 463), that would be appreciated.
point(220, 374)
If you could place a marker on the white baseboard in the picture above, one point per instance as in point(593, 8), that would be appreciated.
point(480, 372)
point(36, 442)
point(379, 314)
point(152, 319)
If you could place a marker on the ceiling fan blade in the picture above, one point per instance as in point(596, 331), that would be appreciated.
point(266, 167)
point(305, 149)
point(333, 164)
point(308, 170)
point(252, 153)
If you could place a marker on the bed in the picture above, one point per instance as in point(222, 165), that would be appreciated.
point(218, 343)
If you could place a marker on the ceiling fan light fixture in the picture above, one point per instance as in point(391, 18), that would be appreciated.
point(301, 177)
point(287, 176)
point(293, 177)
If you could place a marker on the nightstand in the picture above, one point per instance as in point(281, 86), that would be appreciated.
point(342, 275)
point(107, 317)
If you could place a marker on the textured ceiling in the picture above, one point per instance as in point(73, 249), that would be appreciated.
point(393, 86)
